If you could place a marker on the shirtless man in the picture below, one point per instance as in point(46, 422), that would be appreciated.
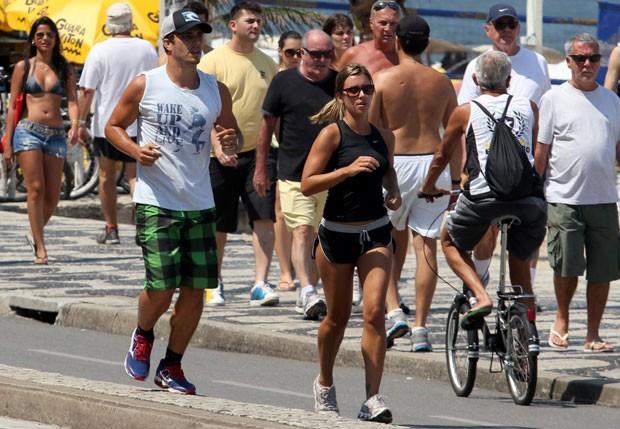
point(380, 52)
point(613, 70)
point(414, 100)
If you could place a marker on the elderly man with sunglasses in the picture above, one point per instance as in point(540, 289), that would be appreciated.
point(293, 96)
point(380, 52)
point(579, 146)
point(529, 78)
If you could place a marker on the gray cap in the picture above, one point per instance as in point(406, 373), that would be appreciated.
point(118, 18)
point(181, 21)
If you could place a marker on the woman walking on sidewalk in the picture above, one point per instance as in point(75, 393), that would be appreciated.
point(39, 139)
point(354, 161)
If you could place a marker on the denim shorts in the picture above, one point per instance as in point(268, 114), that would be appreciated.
point(29, 135)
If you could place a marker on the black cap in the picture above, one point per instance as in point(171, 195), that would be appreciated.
point(413, 26)
point(501, 10)
point(181, 21)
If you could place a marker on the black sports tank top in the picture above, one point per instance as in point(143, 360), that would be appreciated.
point(357, 198)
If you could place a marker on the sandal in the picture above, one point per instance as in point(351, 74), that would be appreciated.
point(286, 286)
point(473, 318)
point(555, 345)
point(598, 346)
point(40, 260)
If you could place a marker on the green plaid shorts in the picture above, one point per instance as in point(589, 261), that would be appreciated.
point(178, 247)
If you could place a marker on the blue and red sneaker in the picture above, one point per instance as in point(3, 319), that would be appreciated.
point(171, 377)
point(138, 359)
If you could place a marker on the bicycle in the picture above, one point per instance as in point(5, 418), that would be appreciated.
point(514, 340)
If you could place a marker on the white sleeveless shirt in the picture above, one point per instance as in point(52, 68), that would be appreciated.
point(520, 119)
point(180, 122)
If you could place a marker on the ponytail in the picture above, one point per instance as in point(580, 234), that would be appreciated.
point(333, 111)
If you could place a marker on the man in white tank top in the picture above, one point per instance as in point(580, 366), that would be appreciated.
point(477, 206)
point(181, 112)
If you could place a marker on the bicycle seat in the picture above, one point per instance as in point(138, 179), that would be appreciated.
point(506, 219)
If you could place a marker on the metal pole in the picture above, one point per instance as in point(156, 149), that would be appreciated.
point(534, 16)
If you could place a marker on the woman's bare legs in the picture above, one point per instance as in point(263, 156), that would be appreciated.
point(338, 287)
point(374, 271)
point(43, 176)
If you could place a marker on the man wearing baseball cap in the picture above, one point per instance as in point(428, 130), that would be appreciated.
point(529, 78)
point(182, 112)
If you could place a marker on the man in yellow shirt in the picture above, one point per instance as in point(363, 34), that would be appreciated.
point(247, 72)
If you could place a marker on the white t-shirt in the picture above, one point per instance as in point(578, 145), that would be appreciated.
point(520, 119)
point(529, 77)
point(109, 68)
point(583, 128)
point(180, 121)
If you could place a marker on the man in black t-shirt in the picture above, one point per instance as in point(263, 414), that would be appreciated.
point(293, 96)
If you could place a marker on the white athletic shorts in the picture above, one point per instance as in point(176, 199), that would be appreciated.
point(421, 216)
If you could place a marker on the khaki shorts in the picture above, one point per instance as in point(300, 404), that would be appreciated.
point(574, 228)
point(297, 209)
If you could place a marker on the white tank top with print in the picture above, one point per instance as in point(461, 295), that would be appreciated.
point(180, 121)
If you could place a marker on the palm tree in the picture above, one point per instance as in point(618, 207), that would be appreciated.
point(279, 19)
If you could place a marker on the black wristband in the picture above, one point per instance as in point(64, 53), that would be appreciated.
point(456, 182)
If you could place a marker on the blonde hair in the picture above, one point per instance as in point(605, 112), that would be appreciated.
point(334, 109)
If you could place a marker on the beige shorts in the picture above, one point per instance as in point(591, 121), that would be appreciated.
point(297, 209)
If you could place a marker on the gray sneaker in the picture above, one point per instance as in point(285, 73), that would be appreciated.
point(325, 399)
point(310, 305)
point(108, 236)
point(375, 410)
point(419, 338)
point(396, 326)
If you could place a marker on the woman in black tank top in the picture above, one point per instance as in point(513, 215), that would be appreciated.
point(353, 160)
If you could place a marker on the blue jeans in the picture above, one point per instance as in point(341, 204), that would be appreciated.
point(29, 135)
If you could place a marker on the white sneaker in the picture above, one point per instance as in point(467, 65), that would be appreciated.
point(263, 295)
point(325, 399)
point(375, 410)
point(310, 305)
point(215, 297)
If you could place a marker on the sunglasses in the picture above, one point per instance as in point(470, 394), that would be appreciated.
point(290, 53)
point(380, 5)
point(500, 25)
point(594, 58)
point(42, 34)
point(317, 55)
point(353, 91)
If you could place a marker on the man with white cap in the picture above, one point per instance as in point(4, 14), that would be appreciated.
point(104, 78)
point(181, 113)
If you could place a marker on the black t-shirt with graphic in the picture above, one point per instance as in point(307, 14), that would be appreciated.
point(293, 99)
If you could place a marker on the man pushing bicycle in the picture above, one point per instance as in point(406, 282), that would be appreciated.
point(498, 180)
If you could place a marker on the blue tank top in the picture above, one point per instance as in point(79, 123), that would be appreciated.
point(358, 198)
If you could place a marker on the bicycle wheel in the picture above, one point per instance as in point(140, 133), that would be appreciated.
point(81, 172)
point(521, 366)
point(461, 350)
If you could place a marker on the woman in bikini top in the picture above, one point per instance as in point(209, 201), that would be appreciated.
point(40, 143)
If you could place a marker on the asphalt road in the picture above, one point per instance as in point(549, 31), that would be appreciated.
point(257, 379)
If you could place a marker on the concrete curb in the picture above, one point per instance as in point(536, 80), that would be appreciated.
point(221, 336)
point(79, 403)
